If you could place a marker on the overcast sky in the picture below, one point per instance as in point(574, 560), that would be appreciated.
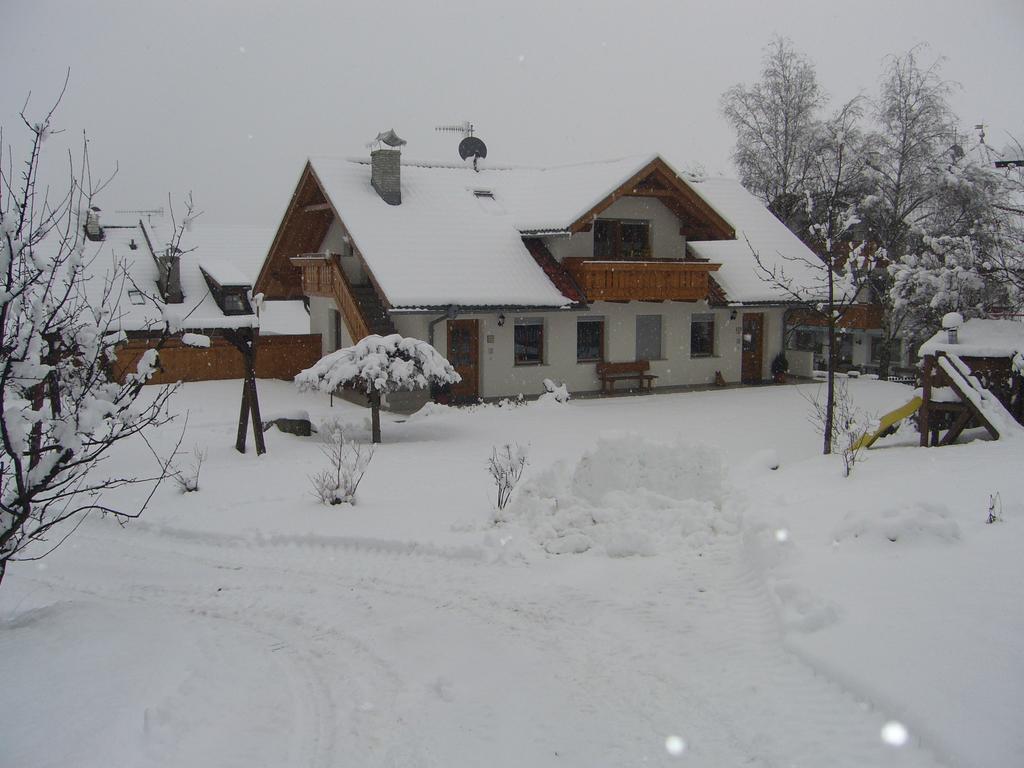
point(227, 98)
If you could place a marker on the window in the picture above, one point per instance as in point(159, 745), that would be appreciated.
point(136, 297)
point(621, 239)
point(876, 350)
point(335, 328)
point(702, 335)
point(805, 340)
point(529, 342)
point(235, 304)
point(648, 337)
point(590, 340)
point(486, 193)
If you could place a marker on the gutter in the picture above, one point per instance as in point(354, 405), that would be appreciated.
point(450, 314)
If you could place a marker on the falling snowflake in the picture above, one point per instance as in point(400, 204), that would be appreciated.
point(894, 734)
point(675, 745)
point(782, 535)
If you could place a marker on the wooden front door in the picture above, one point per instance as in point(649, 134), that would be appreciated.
point(752, 368)
point(464, 355)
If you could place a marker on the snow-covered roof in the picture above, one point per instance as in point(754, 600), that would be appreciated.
point(137, 297)
point(456, 237)
point(980, 338)
point(757, 230)
point(443, 244)
point(284, 317)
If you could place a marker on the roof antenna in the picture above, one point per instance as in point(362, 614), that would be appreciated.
point(470, 146)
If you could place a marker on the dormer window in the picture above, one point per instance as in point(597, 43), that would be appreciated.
point(628, 239)
point(231, 292)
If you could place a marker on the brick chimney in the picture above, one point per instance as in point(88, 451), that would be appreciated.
point(169, 280)
point(386, 174)
point(386, 167)
point(93, 230)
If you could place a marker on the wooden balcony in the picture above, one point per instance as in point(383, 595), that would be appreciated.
point(655, 280)
point(323, 276)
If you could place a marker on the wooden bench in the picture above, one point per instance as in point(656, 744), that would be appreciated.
point(613, 372)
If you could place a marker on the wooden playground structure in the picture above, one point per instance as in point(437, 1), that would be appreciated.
point(971, 391)
point(968, 379)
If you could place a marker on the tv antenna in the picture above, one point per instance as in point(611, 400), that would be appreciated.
point(470, 146)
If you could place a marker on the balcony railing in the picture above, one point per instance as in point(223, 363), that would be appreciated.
point(655, 280)
point(323, 276)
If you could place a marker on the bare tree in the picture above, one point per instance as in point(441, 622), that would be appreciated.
point(828, 285)
point(776, 122)
point(60, 413)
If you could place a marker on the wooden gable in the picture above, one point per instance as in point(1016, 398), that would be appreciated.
point(302, 230)
point(698, 220)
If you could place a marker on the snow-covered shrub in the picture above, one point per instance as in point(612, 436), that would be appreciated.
point(347, 463)
point(188, 479)
point(995, 509)
point(849, 424)
point(554, 393)
point(378, 365)
point(506, 466)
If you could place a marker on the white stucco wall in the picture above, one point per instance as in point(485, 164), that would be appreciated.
point(320, 321)
point(666, 242)
point(334, 241)
point(501, 377)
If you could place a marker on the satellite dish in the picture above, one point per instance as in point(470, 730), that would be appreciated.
point(471, 146)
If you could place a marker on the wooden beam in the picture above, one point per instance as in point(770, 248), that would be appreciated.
point(316, 207)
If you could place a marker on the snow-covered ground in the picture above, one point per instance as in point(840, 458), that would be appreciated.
point(764, 617)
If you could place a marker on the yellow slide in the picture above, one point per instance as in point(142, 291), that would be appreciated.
point(887, 423)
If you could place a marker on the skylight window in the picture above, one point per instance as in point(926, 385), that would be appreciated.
point(136, 297)
point(484, 193)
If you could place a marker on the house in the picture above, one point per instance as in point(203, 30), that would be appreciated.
point(202, 283)
point(521, 274)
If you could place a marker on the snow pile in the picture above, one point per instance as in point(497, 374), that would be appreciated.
point(380, 363)
point(628, 496)
point(904, 524)
point(198, 340)
point(554, 393)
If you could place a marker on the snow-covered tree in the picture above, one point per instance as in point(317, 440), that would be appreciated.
point(378, 365)
point(910, 152)
point(60, 413)
point(776, 121)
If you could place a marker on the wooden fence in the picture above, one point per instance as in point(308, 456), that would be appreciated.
point(277, 357)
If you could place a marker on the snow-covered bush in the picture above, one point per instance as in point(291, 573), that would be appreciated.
point(849, 424)
point(554, 393)
point(378, 365)
point(995, 509)
point(188, 479)
point(347, 463)
point(506, 466)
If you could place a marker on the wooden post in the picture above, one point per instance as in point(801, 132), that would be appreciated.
point(926, 395)
point(245, 342)
point(243, 417)
point(375, 414)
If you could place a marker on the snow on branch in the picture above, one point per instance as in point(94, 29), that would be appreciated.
point(380, 364)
